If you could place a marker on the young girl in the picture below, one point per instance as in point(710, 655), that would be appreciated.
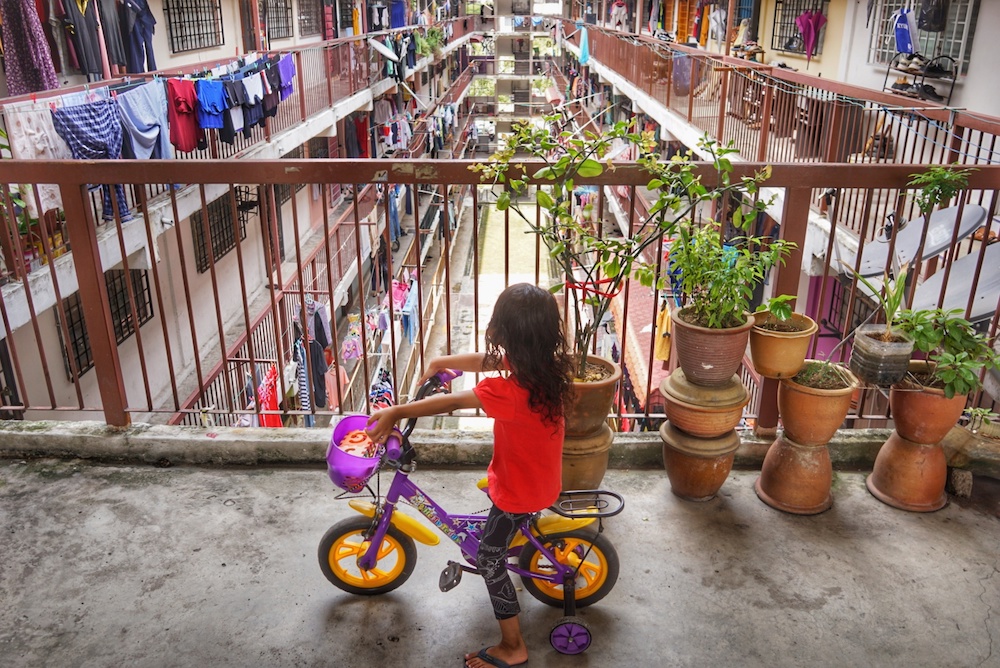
point(525, 340)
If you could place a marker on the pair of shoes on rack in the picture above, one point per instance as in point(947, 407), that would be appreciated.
point(917, 64)
point(928, 92)
point(935, 70)
point(902, 84)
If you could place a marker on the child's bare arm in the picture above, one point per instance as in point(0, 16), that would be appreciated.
point(385, 419)
point(468, 362)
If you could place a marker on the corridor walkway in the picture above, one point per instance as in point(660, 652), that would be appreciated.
point(148, 567)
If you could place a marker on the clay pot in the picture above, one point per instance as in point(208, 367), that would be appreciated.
point(781, 354)
point(585, 459)
point(878, 362)
point(812, 416)
point(592, 401)
point(706, 412)
point(924, 415)
point(697, 467)
point(796, 478)
point(709, 356)
point(909, 476)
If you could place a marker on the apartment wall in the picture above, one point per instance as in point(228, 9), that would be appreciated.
point(825, 64)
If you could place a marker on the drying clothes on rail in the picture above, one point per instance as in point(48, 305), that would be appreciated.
point(378, 18)
point(144, 117)
point(27, 59)
point(211, 103)
point(94, 132)
point(619, 15)
point(381, 393)
point(302, 383)
point(232, 120)
point(318, 338)
point(286, 76)
point(397, 14)
point(32, 136)
point(138, 26)
point(182, 105)
point(253, 108)
point(409, 320)
point(267, 393)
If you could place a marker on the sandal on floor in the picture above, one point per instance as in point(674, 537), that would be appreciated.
point(494, 661)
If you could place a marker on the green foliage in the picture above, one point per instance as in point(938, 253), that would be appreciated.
point(777, 308)
point(959, 352)
point(594, 265)
point(890, 297)
point(938, 185)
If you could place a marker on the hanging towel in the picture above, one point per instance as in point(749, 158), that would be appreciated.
point(584, 46)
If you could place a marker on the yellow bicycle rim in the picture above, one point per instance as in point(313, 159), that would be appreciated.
point(343, 560)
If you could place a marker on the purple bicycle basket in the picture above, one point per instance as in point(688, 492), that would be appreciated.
point(351, 472)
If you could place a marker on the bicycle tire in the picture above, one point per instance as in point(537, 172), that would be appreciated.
point(597, 576)
point(339, 550)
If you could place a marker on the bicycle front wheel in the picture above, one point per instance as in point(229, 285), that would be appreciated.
point(345, 541)
point(589, 551)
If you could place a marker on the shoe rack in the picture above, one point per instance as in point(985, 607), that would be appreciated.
point(924, 75)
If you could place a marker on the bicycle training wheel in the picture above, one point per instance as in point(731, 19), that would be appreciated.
point(570, 635)
point(590, 551)
point(345, 541)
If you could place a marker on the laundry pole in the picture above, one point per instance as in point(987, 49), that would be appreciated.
point(729, 23)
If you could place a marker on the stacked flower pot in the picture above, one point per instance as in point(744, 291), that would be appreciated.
point(704, 404)
point(588, 437)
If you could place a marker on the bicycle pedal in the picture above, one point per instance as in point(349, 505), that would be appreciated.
point(450, 576)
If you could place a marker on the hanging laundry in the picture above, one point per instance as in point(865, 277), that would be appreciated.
point(584, 46)
point(144, 118)
point(27, 59)
point(905, 26)
point(80, 22)
point(32, 136)
point(111, 30)
point(94, 132)
point(619, 15)
point(267, 392)
point(211, 103)
point(137, 26)
point(182, 105)
point(286, 75)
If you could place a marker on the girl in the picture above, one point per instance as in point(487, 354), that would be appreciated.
point(524, 339)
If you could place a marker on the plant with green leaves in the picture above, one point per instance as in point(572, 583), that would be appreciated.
point(938, 185)
point(957, 351)
point(890, 297)
point(17, 194)
point(594, 266)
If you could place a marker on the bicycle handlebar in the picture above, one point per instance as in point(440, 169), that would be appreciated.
point(429, 386)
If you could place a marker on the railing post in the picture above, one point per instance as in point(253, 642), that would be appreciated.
point(765, 120)
point(794, 215)
point(723, 98)
point(300, 84)
point(96, 307)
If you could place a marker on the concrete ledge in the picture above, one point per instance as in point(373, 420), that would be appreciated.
point(851, 449)
point(972, 452)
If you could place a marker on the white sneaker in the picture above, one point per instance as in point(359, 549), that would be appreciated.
point(917, 64)
point(903, 62)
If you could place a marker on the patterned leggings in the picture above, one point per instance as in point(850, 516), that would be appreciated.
point(491, 560)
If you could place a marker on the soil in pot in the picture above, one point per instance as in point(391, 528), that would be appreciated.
point(814, 403)
point(592, 400)
point(878, 361)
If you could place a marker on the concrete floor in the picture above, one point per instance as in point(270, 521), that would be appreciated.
point(134, 566)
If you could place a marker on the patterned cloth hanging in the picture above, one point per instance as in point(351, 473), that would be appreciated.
point(27, 59)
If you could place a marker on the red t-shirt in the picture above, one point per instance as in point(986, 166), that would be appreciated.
point(525, 474)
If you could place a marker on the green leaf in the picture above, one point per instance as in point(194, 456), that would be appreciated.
point(544, 173)
point(544, 199)
point(590, 168)
point(503, 201)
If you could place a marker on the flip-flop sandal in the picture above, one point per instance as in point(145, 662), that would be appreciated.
point(494, 661)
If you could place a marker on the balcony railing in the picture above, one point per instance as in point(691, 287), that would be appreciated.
point(199, 332)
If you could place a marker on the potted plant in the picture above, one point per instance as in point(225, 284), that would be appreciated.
point(797, 474)
point(779, 338)
point(910, 469)
point(881, 353)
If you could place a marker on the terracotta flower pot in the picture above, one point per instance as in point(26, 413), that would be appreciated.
point(924, 415)
point(697, 467)
point(709, 356)
point(811, 416)
point(585, 459)
point(592, 401)
point(706, 412)
point(910, 476)
point(796, 478)
point(779, 354)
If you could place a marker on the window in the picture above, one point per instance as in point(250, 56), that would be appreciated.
point(310, 18)
point(193, 24)
point(278, 18)
point(785, 35)
point(220, 229)
point(121, 315)
point(954, 41)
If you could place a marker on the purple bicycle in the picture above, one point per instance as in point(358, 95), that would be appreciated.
point(563, 558)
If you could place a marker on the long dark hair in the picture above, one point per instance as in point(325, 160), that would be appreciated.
point(526, 329)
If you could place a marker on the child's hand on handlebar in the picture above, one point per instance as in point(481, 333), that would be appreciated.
point(384, 421)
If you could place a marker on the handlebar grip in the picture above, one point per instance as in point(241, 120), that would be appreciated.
point(392, 447)
point(448, 375)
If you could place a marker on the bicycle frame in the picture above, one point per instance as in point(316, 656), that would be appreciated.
point(464, 530)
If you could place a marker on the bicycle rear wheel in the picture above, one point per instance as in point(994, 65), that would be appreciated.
point(592, 552)
point(345, 541)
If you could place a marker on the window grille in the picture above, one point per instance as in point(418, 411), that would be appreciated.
point(955, 41)
point(785, 35)
point(193, 24)
point(220, 229)
point(121, 316)
point(310, 18)
point(246, 203)
point(278, 18)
